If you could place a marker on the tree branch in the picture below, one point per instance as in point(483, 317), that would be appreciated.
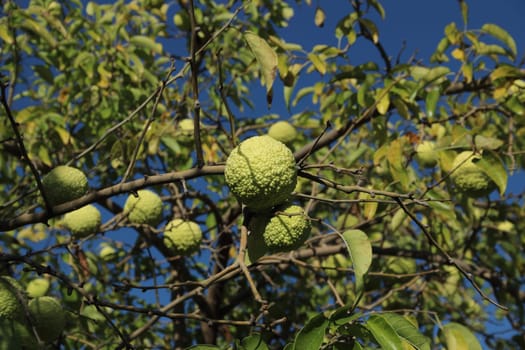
point(31, 218)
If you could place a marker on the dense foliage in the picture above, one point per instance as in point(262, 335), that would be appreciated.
point(152, 94)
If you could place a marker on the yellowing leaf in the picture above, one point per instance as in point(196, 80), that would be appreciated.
point(369, 207)
point(395, 154)
point(459, 337)
point(43, 155)
point(384, 101)
point(5, 35)
point(34, 233)
point(458, 54)
point(499, 92)
point(320, 17)
point(265, 56)
point(64, 135)
point(318, 63)
point(467, 72)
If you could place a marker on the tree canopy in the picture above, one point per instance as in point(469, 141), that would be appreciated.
point(411, 246)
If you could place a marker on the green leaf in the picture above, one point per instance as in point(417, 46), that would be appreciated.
point(265, 56)
point(515, 105)
point(431, 101)
point(402, 108)
point(360, 251)
point(452, 33)
point(171, 143)
point(378, 7)
point(203, 347)
point(502, 35)
point(459, 337)
point(484, 49)
point(372, 29)
point(428, 75)
point(383, 333)
point(5, 33)
point(506, 71)
point(405, 329)
point(484, 142)
point(492, 165)
point(45, 73)
point(147, 43)
point(91, 8)
point(39, 30)
point(464, 11)
point(253, 342)
point(342, 316)
point(311, 336)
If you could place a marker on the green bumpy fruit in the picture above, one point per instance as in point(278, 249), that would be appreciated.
point(12, 298)
point(282, 131)
point(37, 287)
point(426, 154)
point(64, 184)
point(48, 316)
point(184, 237)
point(261, 172)
point(468, 177)
point(84, 221)
point(145, 209)
point(286, 230)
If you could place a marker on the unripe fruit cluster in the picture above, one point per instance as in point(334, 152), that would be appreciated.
point(183, 237)
point(261, 173)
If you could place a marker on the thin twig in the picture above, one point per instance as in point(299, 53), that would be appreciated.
point(148, 124)
point(449, 258)
point(240, 261)
point(224, 99)
point(21, 146)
